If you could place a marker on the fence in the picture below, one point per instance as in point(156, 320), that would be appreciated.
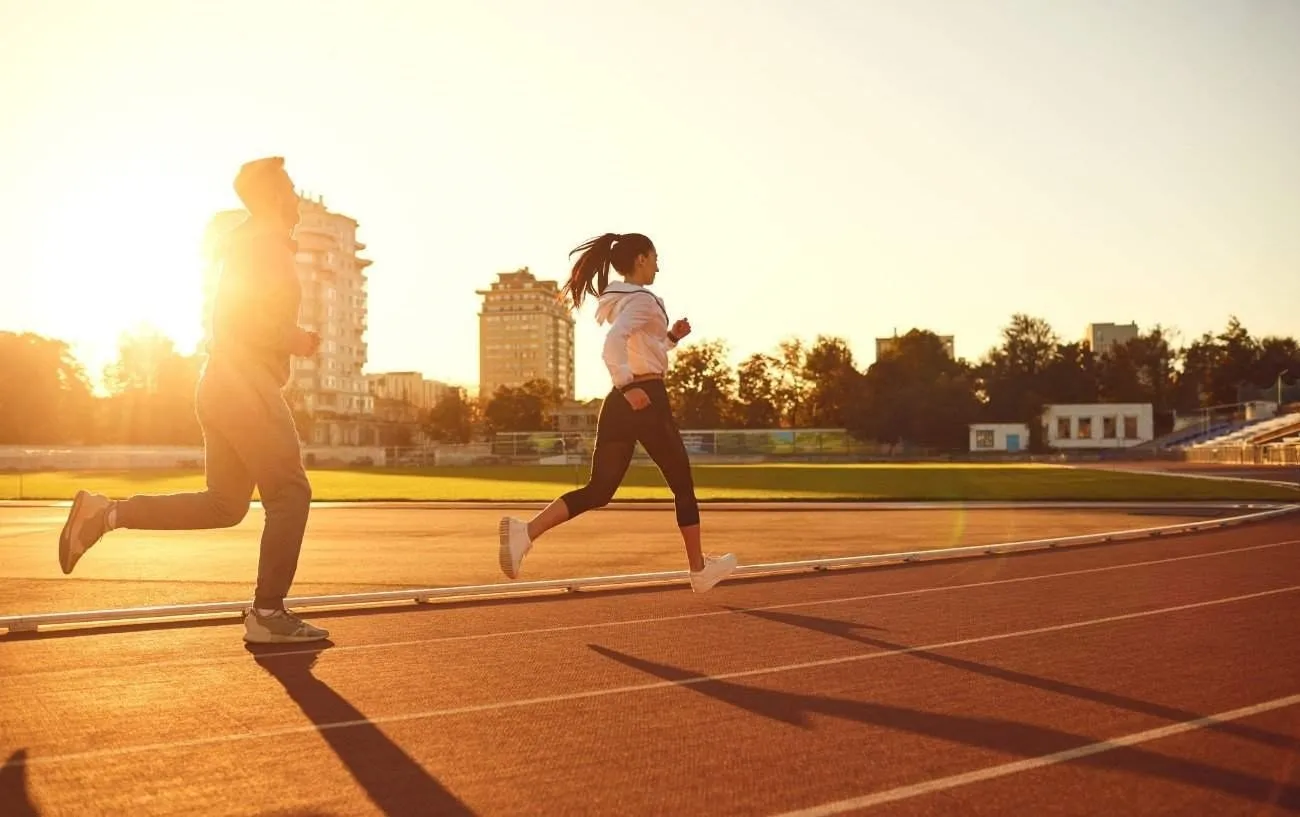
point(741, 443)
point(1267, 454)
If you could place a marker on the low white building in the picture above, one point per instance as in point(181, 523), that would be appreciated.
point(998, 437)
point(1098, 425)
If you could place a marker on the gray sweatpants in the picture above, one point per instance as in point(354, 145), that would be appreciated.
point(251, 440)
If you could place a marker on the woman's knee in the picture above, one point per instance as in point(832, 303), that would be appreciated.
point(589, 497)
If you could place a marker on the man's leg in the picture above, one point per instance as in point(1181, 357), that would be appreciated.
point(223, 504)
point(267, 442)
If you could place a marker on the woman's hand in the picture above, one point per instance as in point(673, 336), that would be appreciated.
point(637, 398)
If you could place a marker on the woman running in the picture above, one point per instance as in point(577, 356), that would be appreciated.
point(637, 408)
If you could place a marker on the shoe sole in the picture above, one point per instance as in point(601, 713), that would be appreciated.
point(504, 557)
point(284, 639)
point(66, 562)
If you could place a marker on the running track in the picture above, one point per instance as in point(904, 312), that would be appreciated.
point(979, 687)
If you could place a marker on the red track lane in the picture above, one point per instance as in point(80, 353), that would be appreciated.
point(760, 698)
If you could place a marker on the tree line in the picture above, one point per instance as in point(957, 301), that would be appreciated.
point(917, 396)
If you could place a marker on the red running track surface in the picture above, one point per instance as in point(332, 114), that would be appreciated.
point(982, 686)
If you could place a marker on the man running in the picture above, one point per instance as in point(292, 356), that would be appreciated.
point(249, 434)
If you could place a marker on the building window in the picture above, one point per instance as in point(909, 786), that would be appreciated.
point(1063, 428)
point(984, 438)
point(1085, 428)
point(1109, 428)
point(1130, 427)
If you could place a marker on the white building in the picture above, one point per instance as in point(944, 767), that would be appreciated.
point(986, 437)
point(330, 386)
point(1098, 425)
point(408, 387)
point(1102, 336)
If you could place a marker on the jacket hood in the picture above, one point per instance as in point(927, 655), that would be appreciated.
point(611, 301)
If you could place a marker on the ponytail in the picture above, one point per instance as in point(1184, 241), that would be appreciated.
point(590, 274)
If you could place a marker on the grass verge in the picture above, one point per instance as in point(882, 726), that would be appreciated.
point(767, 482)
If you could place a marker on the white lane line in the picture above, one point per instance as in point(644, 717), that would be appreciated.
point(593, 625)
point(565, 697)
point(1030, 764)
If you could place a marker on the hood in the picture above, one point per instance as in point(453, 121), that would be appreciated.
point(615, 296)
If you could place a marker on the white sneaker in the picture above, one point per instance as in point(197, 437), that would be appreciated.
point(514, 545)
point(716, 568)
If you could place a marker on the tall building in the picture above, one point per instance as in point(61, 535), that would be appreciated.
point(886, 346)
point(1102, 336)
point(524, 334)
point(329, 387)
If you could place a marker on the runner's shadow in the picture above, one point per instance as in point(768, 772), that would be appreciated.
point(1000, 736)
point(845, 630)
point(395, 782)
point(15, 800)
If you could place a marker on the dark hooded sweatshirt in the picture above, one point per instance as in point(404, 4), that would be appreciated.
point(255, 312)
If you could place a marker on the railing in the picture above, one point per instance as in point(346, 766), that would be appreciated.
point(1283, 453)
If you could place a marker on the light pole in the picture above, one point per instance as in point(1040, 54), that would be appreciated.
point(1280, 375)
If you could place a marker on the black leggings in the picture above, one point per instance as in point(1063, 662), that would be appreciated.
point(618, 431)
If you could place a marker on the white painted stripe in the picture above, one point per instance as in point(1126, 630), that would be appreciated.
point(565, 697)
point(595, 625)
point(1006, 769)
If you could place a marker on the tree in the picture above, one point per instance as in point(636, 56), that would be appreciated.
point(792, 384)
point(1216, 368)
point(151, 392)
point(702, 386)
point(451, 420)
point(1011, 380)
point(45, 398)
point(757, 387)
point(916, 394)
point(523, 408)
point(835, 383)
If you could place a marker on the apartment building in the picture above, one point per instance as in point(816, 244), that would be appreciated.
point(524, 334)
point(408, 387)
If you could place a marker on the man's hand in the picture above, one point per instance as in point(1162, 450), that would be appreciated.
point(680, 329)
point(305, 343)
point(637, 398)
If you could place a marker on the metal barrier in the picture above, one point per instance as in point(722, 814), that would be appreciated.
point(1267, 454)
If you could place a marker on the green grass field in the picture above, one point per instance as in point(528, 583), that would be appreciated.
point(714, 482)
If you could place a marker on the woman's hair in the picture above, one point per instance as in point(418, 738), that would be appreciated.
point(590, 273)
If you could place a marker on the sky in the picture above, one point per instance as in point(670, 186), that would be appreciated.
point(804, 167)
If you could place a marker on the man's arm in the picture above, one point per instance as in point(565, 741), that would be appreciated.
point(261, 315)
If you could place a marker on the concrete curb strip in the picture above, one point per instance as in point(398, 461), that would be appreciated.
point(32, 622)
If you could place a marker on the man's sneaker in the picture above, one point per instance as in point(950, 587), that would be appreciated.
point(87, 523)
point(278, 628)
point(716, 568)
point(514, 544)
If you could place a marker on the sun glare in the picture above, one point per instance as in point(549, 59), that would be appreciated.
point(122, 252)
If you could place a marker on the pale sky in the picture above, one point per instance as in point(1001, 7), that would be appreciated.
point(804, 166)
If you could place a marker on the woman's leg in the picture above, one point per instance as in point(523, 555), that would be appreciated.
point(663, 442)
point(609, 463)
point(615, 442)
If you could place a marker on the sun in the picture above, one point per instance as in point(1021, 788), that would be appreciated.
point(120, 250)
